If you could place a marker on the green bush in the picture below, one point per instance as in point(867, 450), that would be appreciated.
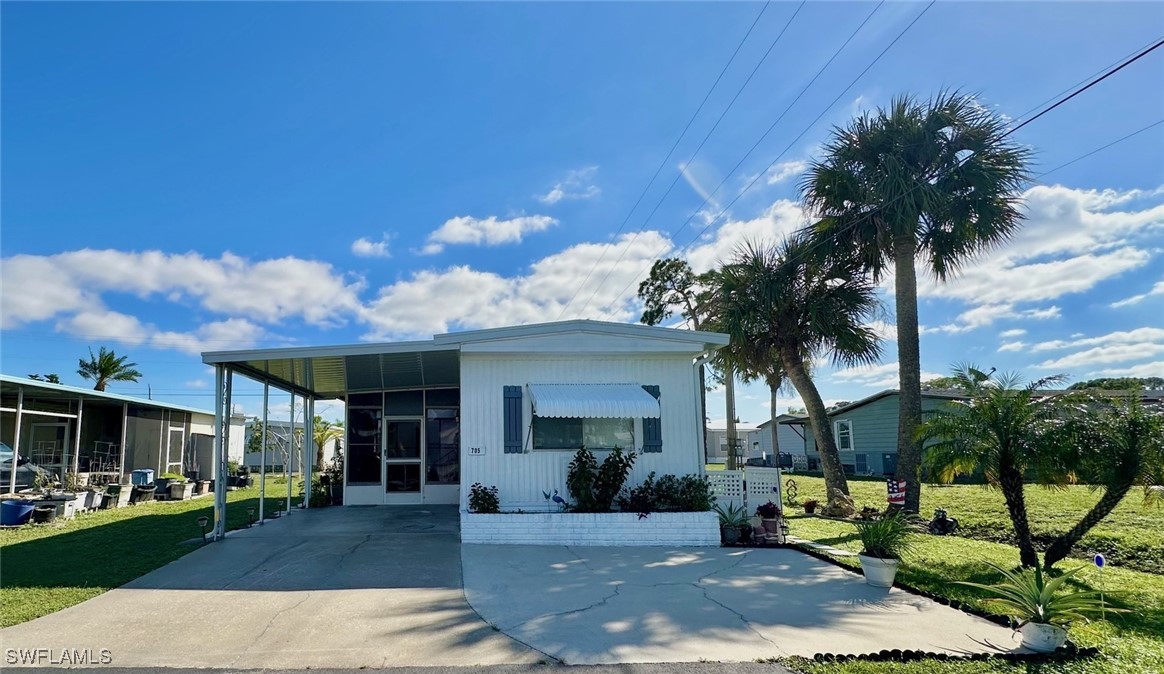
point(594, 486)
point(687, 493)
point(483, 499)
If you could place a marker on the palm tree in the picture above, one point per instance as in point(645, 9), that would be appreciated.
point(322, 433)
point(1119, 444)
point(936, 180)
point(1007, 430)
point(105, 367)
point(784, 307)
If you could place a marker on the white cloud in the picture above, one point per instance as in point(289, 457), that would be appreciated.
point(491, 231)
point(43, 287)
point(434, 301)
point(1014, 332)
point(101, 324)
point(197, 383)
point(785, 170)
point(365, 247)
point(777, 221)
point(884, 330)
point(986, 314)
point(1127, 346)
point(576, 185)
point(880, 376)
point(1157, 289)
point(1153, 369)
point(1011, 346)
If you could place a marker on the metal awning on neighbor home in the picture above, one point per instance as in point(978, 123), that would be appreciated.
point(594, 401)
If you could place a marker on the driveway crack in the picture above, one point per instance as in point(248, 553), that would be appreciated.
point(744, 620)
point(269, 624)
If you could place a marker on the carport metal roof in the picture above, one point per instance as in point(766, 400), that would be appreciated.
point(332, 371)
point(49, 392)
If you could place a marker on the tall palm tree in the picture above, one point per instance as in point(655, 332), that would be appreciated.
point(933, 180)
point(105, 367)
point(1007, 430)
point(1119, 445)
point(791, 306)
point(322, 433)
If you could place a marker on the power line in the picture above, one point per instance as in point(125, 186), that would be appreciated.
point(670, 187)
point(742, 159)
point(779, 156)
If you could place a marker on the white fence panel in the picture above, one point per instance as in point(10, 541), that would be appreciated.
point(727, 486)
point(763, 485)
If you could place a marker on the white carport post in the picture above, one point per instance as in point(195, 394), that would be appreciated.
point(124, 437)
point(290, 450)
point(222, 391)
point(263, 451)
point(77, 438)
point(16, 440)
point(308, 441)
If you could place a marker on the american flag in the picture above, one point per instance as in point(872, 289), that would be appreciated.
point(896, 490)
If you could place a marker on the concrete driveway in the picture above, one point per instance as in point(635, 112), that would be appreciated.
point(351, 587)
point(610, 605)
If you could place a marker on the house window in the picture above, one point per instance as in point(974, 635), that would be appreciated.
point(862, 464)
point(844, 433)
point(574, 433)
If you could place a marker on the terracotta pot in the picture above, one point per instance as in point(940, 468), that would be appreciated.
point(771, 526)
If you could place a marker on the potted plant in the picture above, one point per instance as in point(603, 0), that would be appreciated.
point(1042, 606)
point(180, 490)
point(810, 506)
point(883, 542)
point(769, 517)
point(732, 521)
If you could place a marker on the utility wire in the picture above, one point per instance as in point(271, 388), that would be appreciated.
point(674, 145)
point(670, 187)
point(778, 157)
point(742, 159)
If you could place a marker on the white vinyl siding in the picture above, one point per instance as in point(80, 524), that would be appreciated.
point(522, 478)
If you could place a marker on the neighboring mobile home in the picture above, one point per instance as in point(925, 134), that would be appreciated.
point(504, 407)
point(117, 435)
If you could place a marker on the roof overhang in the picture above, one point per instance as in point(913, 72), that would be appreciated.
point(593, 401)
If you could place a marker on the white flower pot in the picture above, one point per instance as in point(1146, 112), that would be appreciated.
point(879, 572)
point(1043, 638)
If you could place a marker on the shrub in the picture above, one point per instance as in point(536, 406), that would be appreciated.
point(594, 486)
point(483, 499)
point(687, 493)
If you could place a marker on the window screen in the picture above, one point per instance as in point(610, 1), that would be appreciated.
point(574, 433)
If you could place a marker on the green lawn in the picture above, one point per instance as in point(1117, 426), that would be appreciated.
point(1130, 643)
point(1131, 536)
point(46, 568)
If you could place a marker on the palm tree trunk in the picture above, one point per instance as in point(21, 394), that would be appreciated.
point(909, 371)
point(1011, 482)
point(818, 417)
point(773, 387)
point(1061, 546)
point(733, 462)
point(703, 408)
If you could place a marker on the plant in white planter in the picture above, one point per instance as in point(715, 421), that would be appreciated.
point(1041, 605)
point(884, 541)
point(181, 491)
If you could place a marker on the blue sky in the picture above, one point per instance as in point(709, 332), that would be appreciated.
point(187, 177)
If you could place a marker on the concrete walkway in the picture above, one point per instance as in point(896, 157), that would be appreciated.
point(350, 587)
point(610, 605)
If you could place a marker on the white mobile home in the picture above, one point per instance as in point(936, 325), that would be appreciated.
point(504, 407)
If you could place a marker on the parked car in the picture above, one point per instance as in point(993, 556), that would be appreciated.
point(26, 471)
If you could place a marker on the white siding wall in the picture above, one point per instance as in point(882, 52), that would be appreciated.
point(521, 478)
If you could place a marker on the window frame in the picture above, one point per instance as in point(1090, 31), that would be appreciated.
point(635, 430)
point(858, 459)
point(837, 435)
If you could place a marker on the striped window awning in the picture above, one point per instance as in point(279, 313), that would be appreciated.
point(593, 401)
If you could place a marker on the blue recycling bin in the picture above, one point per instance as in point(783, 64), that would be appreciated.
point(142, 476)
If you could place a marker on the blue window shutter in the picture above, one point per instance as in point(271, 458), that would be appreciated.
point(652, 428)
point(512, 419)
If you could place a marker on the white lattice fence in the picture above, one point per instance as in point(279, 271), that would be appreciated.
point(763, 486)
point(727, 486)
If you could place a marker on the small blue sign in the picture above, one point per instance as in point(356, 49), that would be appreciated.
point(1100, 561)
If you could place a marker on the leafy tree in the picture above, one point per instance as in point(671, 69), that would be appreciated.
point(673, 285)
point(1118, 444)
point(105, 367)
point(791, 306)
point(933, 180)
point(1005, 429)
point(1120, 384)
point(50, 378)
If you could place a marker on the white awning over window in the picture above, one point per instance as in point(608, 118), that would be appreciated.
point(593, 401)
